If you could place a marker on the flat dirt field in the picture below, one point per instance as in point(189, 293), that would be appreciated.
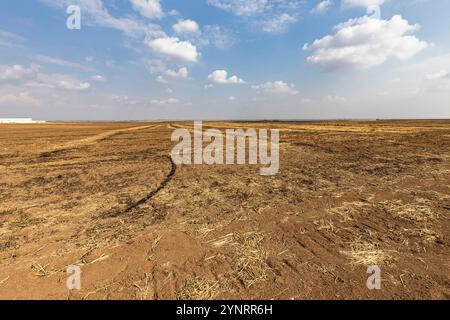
point(107, 197)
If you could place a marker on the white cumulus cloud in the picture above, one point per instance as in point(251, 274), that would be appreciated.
point(174, 48)
point(322, 6)
point(366, 42)
point(221, 77)
point(181, 73)
point(148, 8)
point(186, 26)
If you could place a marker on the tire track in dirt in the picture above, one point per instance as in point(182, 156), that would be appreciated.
point(151, 194)
point(108, 134)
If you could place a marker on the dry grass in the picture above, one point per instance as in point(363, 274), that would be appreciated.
point(348, 210)
point(425, 234)
point(366, 253)
point(98, 290)
point(251, 266)
point(155, 242)
point(143, 288)
point(3, 281)
point(204, 229)
point(40, 271)
point(250, 257)
point(419, 212)
point(298, 217)
point(323, 224)
point(222, 241)
point(196, 288)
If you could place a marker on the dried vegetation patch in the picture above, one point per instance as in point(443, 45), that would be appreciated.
point(251, 264)
point(196, 288)
point(366, 253)
point(416, 212)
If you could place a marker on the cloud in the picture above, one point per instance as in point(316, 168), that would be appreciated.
point(181, 73)
point(160, 68)
point(336, 99)
point(270, 16)
point(148, 8)
point(241, 7)
point(278, 23)
point(221, 77)
point(22, 98)
point(98, 78)
point(155, 66)
point(10, 40)
point(429, 76)
point(365, 42)
point(97, 14)
point(58, 81)
point(214, 35)
point(174, 48)
point(277, 87)
point(161, 79)
point(72, 85)
point(18, 73)
point(443, 74)
point(186, 26)
point(32, 77)
point(322, 7)
point(124, 99)
point(362, 3)
point(60, 62)
point(173, 13)
point(222, 39)
point(166, 101)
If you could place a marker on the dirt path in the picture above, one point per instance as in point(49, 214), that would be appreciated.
point(91, 140)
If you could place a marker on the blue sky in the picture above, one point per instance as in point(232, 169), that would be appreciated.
point(225, 59)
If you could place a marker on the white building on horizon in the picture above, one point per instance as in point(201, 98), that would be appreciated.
point(18, 121)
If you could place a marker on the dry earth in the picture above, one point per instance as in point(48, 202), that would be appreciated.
point(106, 197)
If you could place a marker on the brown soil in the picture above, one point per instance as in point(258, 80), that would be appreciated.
point(106, 197)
